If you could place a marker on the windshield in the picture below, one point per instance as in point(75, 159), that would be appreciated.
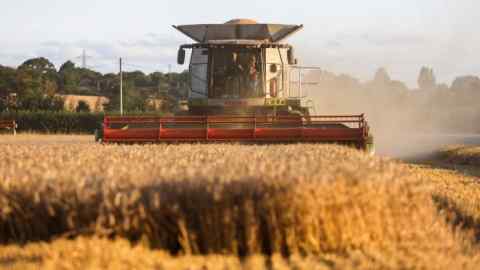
point(236, 73)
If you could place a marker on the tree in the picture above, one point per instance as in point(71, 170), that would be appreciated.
point(68, 79)
point(37, 84)
point(40, 64)
point(35, 79)
point(139, 78)
point(82, 81)
point(178, 83)
point(466, 84)
point(82, 106)
point(7, 80)
point(88, 79)
point(39, 68)
point(466, 90)
point(133, 99)
point(110, 84)
point(3, 105)
point(381, 77)
point(346, 82)
point(398, 86)
point(66, 67)
point(426, 79)
point(157, 77)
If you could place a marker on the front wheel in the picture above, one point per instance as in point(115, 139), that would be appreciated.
point(370, 145)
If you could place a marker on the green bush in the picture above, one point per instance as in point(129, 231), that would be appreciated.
point(55, 122)
point(62, 122)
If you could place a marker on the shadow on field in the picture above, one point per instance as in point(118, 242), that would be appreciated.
point(10, 261)
point(457, 218)
point(425, 150)
point(454, 215)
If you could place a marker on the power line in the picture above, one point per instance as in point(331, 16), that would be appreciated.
point(135, 66)
point(143, 67)
point(104, 63)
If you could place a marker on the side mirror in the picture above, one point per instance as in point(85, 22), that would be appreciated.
point(181, 56)
point(273, 68)
point(291, 57)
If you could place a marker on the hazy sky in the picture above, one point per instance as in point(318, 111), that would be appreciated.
point(354, 37)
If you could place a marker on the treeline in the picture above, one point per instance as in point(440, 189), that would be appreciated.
point(37, 85)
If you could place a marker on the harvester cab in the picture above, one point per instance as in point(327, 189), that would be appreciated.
point(245, 86)
point(241, 67)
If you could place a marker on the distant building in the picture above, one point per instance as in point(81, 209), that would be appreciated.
point(96, 103)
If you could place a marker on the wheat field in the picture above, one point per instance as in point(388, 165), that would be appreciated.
point(67, 203)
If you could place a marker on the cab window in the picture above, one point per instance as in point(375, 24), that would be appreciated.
point(236, 73)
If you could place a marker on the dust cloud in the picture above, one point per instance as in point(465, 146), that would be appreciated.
point(406, 123)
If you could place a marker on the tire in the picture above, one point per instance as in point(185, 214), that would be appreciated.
point(98, 135)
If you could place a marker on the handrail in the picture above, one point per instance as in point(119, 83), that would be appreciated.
point(136, 118)
point(306, 121)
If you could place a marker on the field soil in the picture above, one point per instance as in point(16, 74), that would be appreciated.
point(68, 203)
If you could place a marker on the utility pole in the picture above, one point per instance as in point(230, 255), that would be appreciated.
point(121, 88)
point(169, 77)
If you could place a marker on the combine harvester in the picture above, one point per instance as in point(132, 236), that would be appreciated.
point(245, 87)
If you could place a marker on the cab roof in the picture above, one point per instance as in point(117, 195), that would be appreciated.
point(241, 30)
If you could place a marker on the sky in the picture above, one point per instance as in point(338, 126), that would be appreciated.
point(352, 37)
